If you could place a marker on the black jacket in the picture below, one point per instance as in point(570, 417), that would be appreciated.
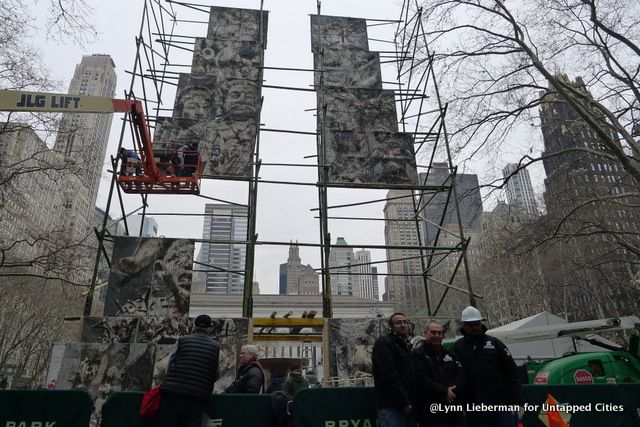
point(435, 373)
point(250, 379)
point(393, 372)
point(491, 375)
point(193, 368)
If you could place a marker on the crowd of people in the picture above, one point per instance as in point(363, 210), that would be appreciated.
point(425, 385)
point(433, 387)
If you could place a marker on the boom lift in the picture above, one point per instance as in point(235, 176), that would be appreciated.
point(158, 168)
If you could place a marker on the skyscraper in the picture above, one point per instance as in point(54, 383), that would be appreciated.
point(299, 279)
point(340, 260)
point(592, 207)
point(366, 283)
point(149, 226)
point(520, 193)
point(404, 286)
point(222, 254)
point(469, 201)
point(83, 138)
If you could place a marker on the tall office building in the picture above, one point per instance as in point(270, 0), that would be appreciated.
point(340, 260)
point(299, 279)
point(591, 199)
point(222, 255)
point(365, 280)
point(520, 193)
point(149, 226)
point(404, 286)
point(433, 203)
point(82, 138)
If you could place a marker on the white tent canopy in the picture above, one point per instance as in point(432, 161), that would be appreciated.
point(520, 337)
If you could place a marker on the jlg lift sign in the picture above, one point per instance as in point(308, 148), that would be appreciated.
point(14, 100)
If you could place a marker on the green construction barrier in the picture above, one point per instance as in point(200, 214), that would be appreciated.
point(335, 407)
point(44, 408)
point(240, 410)
point(121, 409)
point(228, 410)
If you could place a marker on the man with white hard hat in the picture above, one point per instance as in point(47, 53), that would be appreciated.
point(491, 374)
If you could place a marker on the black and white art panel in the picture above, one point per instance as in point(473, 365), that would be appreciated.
point(348, 68)
point(226, 147)
point(371, 157)
point(338, 32)
point(236, 24)
point(227, 59)
point(149, 277)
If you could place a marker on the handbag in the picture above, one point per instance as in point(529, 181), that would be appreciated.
point(150, 403)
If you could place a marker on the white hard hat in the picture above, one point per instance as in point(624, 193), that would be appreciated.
point(471, 314)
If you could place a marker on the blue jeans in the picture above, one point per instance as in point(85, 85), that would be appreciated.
point(393, 418)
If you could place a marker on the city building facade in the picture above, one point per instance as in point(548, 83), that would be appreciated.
point(222, 257)
point(82, 140)
point(299, 279)
point(138, 227)
point(520, 193)
point(404, 285)
point(366, 279)
point(592, 207)
point(340, 260)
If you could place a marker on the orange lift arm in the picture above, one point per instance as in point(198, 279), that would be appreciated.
point(151, 179)
point(14, 100)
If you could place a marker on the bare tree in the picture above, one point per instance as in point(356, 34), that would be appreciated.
point(33, 177)
point(494, 57)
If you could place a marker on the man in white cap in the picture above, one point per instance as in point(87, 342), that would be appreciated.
point(491, 374)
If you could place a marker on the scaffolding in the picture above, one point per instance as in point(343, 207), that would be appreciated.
point(153, 72)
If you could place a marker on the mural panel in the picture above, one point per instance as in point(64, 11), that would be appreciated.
point(338, 32)
point(227, 23)
point(226, 59)
point(226, 147)
point(101, 336)
point(359, 110)
point(206, 97)
point(348, 68)
point(371, 157)
point(149, 276)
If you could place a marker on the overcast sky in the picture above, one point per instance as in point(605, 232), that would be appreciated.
point(284, 211)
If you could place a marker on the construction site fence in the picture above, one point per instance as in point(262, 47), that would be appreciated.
point(595, 405)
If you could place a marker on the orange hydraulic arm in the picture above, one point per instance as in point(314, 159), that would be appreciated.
point(151, 179)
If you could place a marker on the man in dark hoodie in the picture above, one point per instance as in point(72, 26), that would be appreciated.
point(491, 375)
point(191, 373)
point(250, 377)
point(393, 375)
point(295, 381)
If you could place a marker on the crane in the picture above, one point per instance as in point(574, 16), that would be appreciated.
point(156, 167)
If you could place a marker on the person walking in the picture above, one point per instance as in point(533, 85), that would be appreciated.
point(250, 377)
point(295, 381)
point(439, 379)
point(191, 374)
point(393, 375)
point(491, 375)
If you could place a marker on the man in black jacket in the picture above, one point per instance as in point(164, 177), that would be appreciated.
point(490, 372)
point(393, 375)
point(250, 377)
point(191, 373)
point(439, 379)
